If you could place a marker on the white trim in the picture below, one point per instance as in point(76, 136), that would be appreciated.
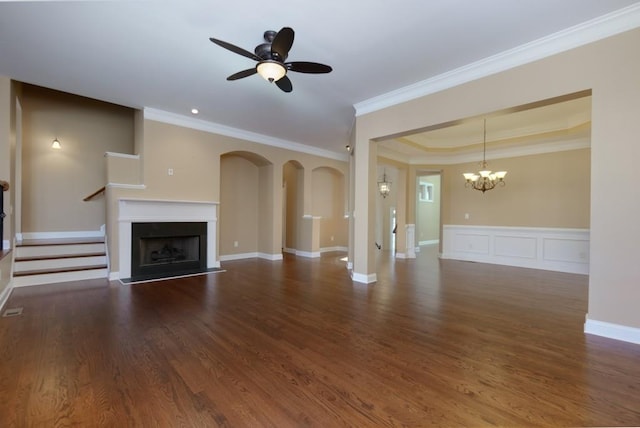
point(332, 249)
point(596, 29)
point(5, 244)
point(50, 278)
point(364, 279)
point(114, 276)
point(272, 257)
point(612, 331)
point(216, 128)
point(126, 186)
point(121, 155)
point(349, 265)
point(308, 254)
point(289, 250)
point(555, 249)
point(429, 242)
point(410, 238)
point(4, 296)
point(62, 235)
point(239, 256)
point(256, 255)
point(401, 256)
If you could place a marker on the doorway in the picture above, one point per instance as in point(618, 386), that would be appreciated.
point(428, 206)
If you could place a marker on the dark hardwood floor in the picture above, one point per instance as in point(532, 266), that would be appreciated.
point(296, 343)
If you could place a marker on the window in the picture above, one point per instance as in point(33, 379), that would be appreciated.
point(425, 192)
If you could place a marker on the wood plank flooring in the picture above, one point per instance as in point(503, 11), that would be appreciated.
point(296, 343)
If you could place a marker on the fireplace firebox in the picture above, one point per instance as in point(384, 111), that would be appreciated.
point(166, 249)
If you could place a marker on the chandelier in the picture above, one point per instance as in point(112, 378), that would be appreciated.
point(485, 179)
point(384, 186)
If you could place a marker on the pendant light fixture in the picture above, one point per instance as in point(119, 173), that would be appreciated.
point(384, 186)
point(485, 179)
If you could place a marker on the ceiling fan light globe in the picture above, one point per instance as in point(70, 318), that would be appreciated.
point(271, 71)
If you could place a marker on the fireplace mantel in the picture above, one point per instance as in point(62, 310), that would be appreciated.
point(150, 210)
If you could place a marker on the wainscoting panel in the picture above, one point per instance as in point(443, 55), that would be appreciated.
point(563, 250)
point(515, 246)
point(472, 243)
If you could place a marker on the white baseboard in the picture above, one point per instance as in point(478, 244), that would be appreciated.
point(256, 255)
point(555, 249)
point(240, 256)
point(332, 249)
point(364, 279)
point(308, 254)
point(114, 276)
point(401, 256)
point(612, 331)
point(4, 296)
point(315, 254)
point(429, 242)
point(61, 235)
point(5, 244)
point(271, 257)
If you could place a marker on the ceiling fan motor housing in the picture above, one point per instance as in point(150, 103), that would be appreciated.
point(264, 51)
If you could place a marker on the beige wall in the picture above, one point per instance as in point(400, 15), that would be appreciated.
point(6, 101)
point(54, 182)
point(547, 190)
point(329, 204)
point(239, 208)
point(194, 155)
point(610, 68)
point(292, 174)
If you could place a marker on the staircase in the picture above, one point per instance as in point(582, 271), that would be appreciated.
point(45, 261)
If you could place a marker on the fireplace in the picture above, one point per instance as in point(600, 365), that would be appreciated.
point(160, 213)
point(162, 249)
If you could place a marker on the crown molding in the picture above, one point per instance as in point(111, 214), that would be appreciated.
point(550, 146)
point(216, 128)
point(591, 31)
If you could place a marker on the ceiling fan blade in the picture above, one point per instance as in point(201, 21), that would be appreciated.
point(281, 44)
point(285, 84)
point(244, 73)
point(308, 67)
point(235, 49)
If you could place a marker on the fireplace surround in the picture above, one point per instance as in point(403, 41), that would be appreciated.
point(161, 213)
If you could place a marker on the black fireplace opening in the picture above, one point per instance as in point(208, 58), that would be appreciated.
point(166, 249)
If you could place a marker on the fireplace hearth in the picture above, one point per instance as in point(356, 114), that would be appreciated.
point(164, 249)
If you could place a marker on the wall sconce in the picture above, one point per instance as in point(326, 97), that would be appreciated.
point(56, 144)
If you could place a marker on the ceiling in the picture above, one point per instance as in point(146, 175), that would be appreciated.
point(157, 55)
point(544, 127)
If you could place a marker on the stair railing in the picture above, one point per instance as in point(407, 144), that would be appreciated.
point(5, 187)
point(94, 194)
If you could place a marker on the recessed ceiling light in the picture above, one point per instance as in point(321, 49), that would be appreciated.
point(194, 111)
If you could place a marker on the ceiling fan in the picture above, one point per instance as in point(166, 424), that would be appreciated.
point(271, 57)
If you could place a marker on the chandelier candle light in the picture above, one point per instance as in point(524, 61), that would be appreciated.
point(485, 179)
